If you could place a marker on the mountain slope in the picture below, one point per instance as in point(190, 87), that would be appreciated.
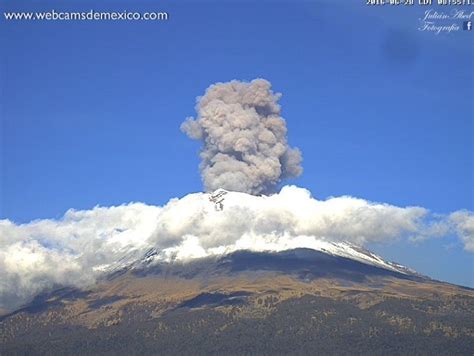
point(296, 301)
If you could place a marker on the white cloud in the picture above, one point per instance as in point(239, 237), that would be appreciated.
point(79, 247)
point(44, 253)
point(463, 223)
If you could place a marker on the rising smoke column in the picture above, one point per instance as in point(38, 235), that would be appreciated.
point(244, 138)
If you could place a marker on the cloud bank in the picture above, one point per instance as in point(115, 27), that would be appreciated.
point(79, 247)
point(244, 145)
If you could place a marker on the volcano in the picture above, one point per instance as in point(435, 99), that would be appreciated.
point(245, 302)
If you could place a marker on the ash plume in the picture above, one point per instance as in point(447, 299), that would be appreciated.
point(244, 144)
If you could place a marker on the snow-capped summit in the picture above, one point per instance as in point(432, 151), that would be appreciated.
point(223, 222)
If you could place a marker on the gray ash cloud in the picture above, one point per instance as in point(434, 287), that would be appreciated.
point(244, 138)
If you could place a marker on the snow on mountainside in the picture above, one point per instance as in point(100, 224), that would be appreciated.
point(221, 202)
point(221, 198)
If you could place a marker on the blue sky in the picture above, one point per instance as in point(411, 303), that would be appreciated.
point(382, 111)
